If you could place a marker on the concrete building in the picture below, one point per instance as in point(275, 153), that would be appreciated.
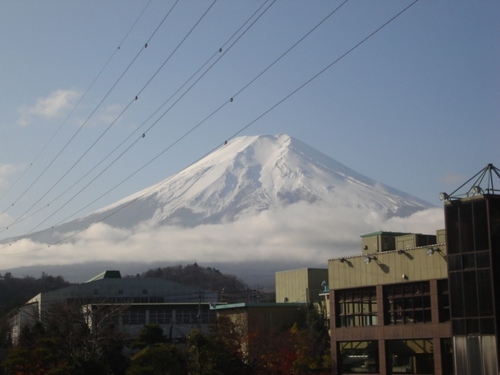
point(261, 319)
point(305, 285)
point(423, 304)
point(137, 301)
point(390, 307)
point(301, 285)
point(473, 236)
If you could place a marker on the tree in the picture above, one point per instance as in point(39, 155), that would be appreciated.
point(159, 359)
point(69, 339)
point(302, 349)
point(149, 335)
point(219, 352)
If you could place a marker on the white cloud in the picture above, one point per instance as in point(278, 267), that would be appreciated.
point(6, 170)
point(52, 106)
point(300, 232)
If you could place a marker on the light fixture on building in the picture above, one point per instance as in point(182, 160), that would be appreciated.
point(404, 277)
point(430, 251)
point(477, 190)
point(368, 259)
point(444, 197)
point(400, 252)
point(342, 260)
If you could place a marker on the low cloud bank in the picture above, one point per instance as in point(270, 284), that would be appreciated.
point(304, 233)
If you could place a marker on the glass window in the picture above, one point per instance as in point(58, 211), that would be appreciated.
point(458, 327)
point(494, 209)
point(485, 292)
point(452, 228)
point(358, 357)
point(474, 354)
point(443, 300)
point(447, 356)
point(480, 225)
point(487, 326)
point(483, 259)
point(489, 354)
point(356, 307)
point(412, 306)
point(470, 293)
point(456, 294)
point(466, 227)
point(410, 356)
point(469, 260)
point(455, 262)
point(472, 326)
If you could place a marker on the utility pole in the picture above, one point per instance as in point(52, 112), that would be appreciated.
point(198, 317)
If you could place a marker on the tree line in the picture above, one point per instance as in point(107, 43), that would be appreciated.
point(64, 344)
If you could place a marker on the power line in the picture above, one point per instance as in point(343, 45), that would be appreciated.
point(81, 127)
point(234, 135)
point(68, 116)
point(143, 135)
point(321, 71)
point(196, 126)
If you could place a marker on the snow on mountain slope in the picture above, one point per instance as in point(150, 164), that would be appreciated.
point(267, 199)
point(251, 174)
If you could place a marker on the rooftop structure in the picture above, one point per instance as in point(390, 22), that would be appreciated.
point(176, 307)
point(389, 309)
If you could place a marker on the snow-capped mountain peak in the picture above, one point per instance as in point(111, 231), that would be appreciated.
point(254, 173)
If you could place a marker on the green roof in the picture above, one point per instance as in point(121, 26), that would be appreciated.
point(106, 275)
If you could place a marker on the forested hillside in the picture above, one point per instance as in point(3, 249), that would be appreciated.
point(15, 291)
point(229, 287)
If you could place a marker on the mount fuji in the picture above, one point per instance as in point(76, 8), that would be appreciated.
point(256, 198)
point(246, 176)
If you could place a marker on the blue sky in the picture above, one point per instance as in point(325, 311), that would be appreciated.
point(415, 106)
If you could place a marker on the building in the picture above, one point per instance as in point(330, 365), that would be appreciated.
point(301, 285)
point(473, 239)
point(135, 302)
point(408, 305)
point(389, 308)
point(262, 320)
point(304, 285)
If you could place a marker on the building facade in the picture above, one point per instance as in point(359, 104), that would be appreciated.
point(389, 308)
point(301, 285)
point(473, 238)
point(262, 320)
point(134, 302)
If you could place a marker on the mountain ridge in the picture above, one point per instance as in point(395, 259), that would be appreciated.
point(259, 172)
point(248, 175)
point(258, 204)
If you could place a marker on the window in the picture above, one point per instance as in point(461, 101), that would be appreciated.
point(358, 357)
point(160, 316)
point(134, 317)
point(407, 303)
point(356, 307)
point(447, 356)
point(411, 356)
point(443, 300)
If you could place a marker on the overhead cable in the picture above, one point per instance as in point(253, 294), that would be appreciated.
point(81, 127)
point(67, 117)
point(215, 148)
point(143, 134)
